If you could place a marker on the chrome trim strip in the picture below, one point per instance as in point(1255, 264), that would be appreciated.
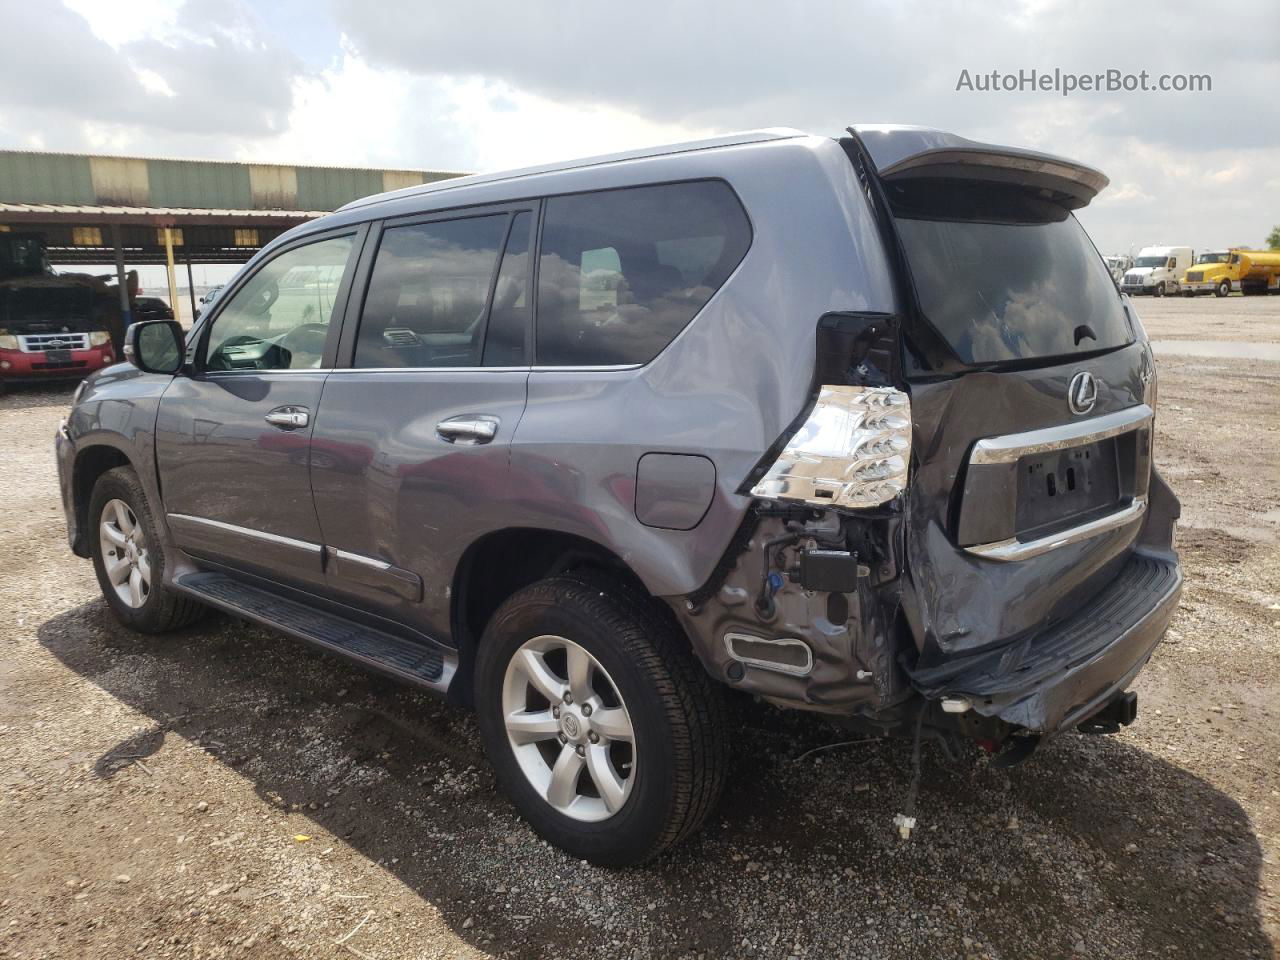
point(364, 561)
point(801, 671)
point(251, 371)
point(252, 534)
point(587, 367)
point(1012, 446)
point(524, 369)
point(1013, 549)
point(601, 368)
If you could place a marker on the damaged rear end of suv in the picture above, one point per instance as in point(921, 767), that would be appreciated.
point(860, 426)
point(963, 534)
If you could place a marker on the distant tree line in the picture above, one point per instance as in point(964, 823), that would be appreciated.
point(1273, 239)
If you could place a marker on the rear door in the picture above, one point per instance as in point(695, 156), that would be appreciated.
point(409, 459)
point(233, 437)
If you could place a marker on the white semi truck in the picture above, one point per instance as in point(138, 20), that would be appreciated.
point(1157, 270)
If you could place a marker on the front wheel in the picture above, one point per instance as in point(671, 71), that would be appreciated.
point(604, 731)
point(1158, 291)
point(128, 557)
point(1223, 288)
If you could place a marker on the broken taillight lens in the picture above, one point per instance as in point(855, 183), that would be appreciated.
point(852, 451)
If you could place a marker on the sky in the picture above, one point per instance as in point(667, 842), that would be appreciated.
point(490, 84)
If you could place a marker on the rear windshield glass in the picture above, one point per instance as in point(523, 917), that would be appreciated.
point(1003, 275)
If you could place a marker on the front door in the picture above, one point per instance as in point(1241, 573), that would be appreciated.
point(233, 437)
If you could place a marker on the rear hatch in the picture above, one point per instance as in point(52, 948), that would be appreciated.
point(1030, 386)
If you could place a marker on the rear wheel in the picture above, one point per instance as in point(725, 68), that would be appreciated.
point(603, 730)
point(128, 557)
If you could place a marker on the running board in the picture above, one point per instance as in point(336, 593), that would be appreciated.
point(415, 663)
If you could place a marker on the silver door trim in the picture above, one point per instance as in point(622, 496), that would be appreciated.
point(372, 562)
point(1013, 446)
point(249, 532)
point(1013, 549)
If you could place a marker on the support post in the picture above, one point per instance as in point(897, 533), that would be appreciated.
point(122, 281)
point(173, 282)
point(191, 284)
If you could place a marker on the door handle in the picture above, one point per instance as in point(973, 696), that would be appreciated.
point(468, 430)
point(288, 418)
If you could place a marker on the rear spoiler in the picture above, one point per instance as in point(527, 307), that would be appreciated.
point(902, 153)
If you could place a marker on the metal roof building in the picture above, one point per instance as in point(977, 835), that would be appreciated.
point(146, 210)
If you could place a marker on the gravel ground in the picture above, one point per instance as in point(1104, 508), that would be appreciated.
point(226, 792)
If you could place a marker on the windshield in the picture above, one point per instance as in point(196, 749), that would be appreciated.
point(1212, 258)
point(1003, 275)
point(1151, 261)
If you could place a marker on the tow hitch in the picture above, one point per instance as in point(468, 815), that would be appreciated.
point(1119, 712)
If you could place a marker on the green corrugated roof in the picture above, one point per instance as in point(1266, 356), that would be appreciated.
point(191, 183)
point(45, 178)
point(323, 188)
point(65, 178)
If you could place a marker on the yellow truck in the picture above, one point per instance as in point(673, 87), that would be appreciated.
point(1221, 271)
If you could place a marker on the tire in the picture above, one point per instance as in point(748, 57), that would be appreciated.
point(675, 761)
point(1159, 290)
point(1222, 289)
point(118, 509)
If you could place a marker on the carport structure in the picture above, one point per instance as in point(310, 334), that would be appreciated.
point(131, 211)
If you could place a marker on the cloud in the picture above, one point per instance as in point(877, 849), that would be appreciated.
point(498, 83)
point(209, 71)
point(829, 62)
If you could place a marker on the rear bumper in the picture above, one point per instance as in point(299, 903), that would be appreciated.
point(1055, 679)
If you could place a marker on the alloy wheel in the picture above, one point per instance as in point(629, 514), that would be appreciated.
point(569, 728)
point(125, 556)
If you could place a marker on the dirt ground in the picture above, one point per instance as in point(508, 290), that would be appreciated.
point(226, 792)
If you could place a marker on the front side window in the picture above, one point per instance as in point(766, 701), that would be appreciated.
point(280, 318)
point(1002, 275)
point(429, 293)
point(622, 272)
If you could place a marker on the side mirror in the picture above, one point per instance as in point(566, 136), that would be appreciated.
point(156, 346)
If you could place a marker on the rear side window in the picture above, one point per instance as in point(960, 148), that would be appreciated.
point(622, 272)
point(1003, 275)
point(429, 292)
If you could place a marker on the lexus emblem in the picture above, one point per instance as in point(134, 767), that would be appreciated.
point(1083, 392)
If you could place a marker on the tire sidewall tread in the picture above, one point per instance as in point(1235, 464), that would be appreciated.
point(677, 713)
point(165, 609)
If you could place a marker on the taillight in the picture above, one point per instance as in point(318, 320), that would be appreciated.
point(852, 451)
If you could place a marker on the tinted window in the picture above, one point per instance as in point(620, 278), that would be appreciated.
point(1003, 275)
point(509, 315)
point(622, 272)
point(280, 318)
point(429, 292)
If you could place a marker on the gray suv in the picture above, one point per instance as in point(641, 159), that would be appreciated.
point(860, 426)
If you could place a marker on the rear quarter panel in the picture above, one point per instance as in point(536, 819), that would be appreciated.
point(727, 386)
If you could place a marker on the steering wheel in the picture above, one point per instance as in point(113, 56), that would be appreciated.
point(306, 340)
